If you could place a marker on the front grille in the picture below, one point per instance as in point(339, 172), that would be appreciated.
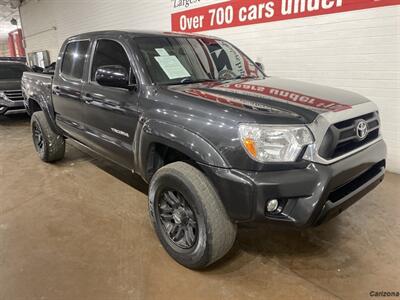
point(14, 95)
point(357, 182)
point(342, 138)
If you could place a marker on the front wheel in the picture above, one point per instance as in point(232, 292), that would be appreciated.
point(189, 217)
point(49, 145)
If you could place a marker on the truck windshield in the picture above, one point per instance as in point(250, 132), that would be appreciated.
point(180, 60)
point(12, 71)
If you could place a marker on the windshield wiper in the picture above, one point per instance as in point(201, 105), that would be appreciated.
point(190, 81)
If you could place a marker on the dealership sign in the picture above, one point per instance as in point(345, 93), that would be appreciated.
point(245, 12)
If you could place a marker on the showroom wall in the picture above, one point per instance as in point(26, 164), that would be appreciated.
point(356, 50)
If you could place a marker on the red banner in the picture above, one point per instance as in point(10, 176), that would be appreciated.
point(245, 12)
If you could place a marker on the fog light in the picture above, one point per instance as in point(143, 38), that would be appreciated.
point(272, 205)
point(2, 109)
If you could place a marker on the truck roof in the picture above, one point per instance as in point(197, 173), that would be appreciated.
point(137, 33)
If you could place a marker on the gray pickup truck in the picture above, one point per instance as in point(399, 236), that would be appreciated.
point(218, 141)
point(11, 100)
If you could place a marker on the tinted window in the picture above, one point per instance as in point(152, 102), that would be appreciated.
point(74, 59)
point(12, 70)
point(107, 53)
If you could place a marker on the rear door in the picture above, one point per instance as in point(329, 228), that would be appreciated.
point(67, 87)
point(110, 113)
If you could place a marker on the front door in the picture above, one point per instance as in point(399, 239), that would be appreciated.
point(110, 113)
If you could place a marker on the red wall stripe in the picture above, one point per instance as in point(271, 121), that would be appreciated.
point(200, 19)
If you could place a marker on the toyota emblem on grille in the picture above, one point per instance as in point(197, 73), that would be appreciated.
point(361, 129)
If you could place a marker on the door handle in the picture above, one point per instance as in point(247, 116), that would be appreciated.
point(87, 98)
point(56, 90)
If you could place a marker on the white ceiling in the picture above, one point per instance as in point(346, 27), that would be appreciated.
point(6, 14)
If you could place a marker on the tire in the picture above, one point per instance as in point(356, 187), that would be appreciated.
point(49, 145)
point(201, 214)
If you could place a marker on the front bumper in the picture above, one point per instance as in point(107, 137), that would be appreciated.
point(8, 107)
point(310, 196)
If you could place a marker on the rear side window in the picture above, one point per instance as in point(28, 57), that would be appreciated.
point(74, 59)
point(108, 53)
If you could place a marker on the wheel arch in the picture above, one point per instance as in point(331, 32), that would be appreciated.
point(155, 135)
point(35, 105)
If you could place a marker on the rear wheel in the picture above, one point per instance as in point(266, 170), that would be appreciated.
point(49, 145)
point(188, 216)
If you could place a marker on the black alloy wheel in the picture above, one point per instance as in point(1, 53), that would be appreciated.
point(38, 137)
point(178, 219)
point(48, 144)
point(188, 216)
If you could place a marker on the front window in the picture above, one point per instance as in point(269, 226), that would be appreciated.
point(175, 60)
point(12, 71)
point(108, 53)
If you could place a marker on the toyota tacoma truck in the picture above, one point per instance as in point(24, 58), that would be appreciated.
point(11, 100)
point(218, 141)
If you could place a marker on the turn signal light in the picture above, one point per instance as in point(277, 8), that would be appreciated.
point(250, 146)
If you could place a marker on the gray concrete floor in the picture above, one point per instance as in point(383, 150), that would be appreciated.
point(79, 229)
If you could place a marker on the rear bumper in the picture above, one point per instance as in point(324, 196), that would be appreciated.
point(309, 196)
point(8, 107)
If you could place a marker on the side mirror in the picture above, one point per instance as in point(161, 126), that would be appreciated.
point(113, 76)
point(260, 66)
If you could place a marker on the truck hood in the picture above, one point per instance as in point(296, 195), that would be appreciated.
point(10, 85)
point(304, 100)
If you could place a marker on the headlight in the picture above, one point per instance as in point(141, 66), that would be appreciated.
point(2, 95)
point(274, 143)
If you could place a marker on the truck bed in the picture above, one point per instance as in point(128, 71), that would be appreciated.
point(36, 86)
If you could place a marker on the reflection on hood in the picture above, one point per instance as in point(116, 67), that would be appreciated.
point(273, 96)
point(232, 102)
point(284, 95)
